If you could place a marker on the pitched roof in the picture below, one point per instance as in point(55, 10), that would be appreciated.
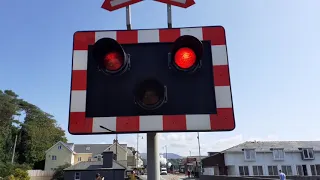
point(66, 145)
point(93, 165)
point(93, 148)
point(264, 146)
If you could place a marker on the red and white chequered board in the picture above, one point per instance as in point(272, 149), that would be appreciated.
point(222, 121)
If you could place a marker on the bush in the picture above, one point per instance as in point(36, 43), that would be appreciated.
point(14, 171)
point(21, 174)
point(58, 174)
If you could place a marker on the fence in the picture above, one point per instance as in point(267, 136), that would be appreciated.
point(40, 175)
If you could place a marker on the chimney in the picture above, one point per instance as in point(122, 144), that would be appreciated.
point(115, 141)
point(107, 159)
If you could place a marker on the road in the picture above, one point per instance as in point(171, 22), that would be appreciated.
point(166, 177)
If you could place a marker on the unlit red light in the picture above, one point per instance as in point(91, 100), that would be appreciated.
point(113, 61)
point(185, 58)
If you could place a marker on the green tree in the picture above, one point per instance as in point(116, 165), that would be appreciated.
point(8, 109)
point(36, 133)
point(58, 174)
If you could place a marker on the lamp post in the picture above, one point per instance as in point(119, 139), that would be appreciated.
point(198, 137)
point(138, 149)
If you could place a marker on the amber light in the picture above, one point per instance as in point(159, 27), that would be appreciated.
point(185, 58)
point(113, 61)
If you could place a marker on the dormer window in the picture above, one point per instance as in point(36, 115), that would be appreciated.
point(278, 154)
point(307, 153)
point(87, 148)
point(249, 154)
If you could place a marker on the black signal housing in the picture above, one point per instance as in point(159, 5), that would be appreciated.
point(186, 54)
point(111, 57)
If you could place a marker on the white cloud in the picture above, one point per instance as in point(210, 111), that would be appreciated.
point(183, 143)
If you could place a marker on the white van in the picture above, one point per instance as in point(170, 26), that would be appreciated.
point(163, 171)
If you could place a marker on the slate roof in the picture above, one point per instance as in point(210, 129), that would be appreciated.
point(93, 148)
point(92, 165)
point(265, 146)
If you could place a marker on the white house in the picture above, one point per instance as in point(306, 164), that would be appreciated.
point(268, 157)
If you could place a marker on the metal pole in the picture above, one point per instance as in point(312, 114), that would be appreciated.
point(14, 148)
point(153, 166)
point(128, 17)
point(169, 16)
point(166, 157)
point(199, 153)
point(116, 147)
point(137, 150)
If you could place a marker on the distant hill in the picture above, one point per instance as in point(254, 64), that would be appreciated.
point(170, 155)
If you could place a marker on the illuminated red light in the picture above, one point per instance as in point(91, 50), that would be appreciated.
point(185, 58)
point(113, 61)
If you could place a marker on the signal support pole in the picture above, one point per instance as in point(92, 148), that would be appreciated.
point(128, 17)
point(169, 16)
point(153, 159)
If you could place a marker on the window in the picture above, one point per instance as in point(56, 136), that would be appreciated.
point(302, 170)
point(315, 169)
point(89, 158)
point(307, 154)
point(99, 158)
point(59, 147)
point(273, 170)
point(299, 170)
point(257, 170)
point(249, 154)
point(77, 176)
point(278, 154)
point(287, 170)
point(87, 148)
point(53, 157)
point(79, 158)
point(244, 170)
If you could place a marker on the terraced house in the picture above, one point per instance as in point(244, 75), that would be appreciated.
point(62, 153)
point(266, 158)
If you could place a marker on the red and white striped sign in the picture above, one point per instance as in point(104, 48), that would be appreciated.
point(112, 5)
point(179, 3)
point(222, 121)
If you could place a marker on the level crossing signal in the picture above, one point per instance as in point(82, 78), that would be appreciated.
point(155, 80)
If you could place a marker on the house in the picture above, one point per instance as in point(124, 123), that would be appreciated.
point(70, 153)
point(134, 160)
point(108, 168)
point(266, 158)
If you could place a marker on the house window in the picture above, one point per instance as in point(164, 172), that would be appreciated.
point(249, 154)
point(307, 154)
point(302, 170)
point(278, 154)
point(99, 158)
point(87, 148)
point(59, 147)
point(257, 170)
point(77, 176)
point(79, 158)
point(273, 170)
point(53, 157)
point(89, 158)
point(244, 170)
point(287, 170)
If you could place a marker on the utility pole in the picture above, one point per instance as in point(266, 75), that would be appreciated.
point(198, 137)
point(166, 156)
point(137, 151)
point(116, 147)
point(14, 149)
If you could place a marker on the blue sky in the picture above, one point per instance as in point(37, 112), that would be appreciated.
point(273, 48)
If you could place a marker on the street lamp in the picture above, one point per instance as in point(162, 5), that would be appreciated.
point(198, 137)
point(138, 136)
